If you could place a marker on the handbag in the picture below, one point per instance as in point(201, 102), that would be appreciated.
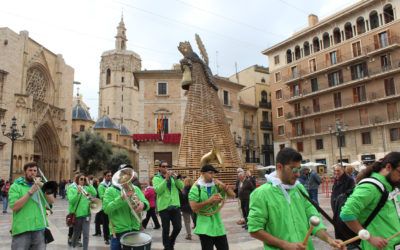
point(48, 236)
point(71, 217)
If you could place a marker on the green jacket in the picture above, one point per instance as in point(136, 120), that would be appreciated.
point(101, 189)
point(119, 212)
point(83, 209)
point(30, 217)
point(208, 225)
point(360, 205)
point(166, 197)
point(271, 212)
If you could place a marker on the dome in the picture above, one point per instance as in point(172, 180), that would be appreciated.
point(105, 122)
point(124, 130)
point(80, 113)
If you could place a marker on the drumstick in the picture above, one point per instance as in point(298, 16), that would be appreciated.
point(393, 236)
point(362, 234)
point(314, 221)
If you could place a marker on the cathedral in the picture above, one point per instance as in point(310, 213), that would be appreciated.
point(36, 87)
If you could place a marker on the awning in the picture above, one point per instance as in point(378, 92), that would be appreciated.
point(165, 138)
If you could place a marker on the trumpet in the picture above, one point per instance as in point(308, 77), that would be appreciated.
point(95, 203)
point(123, 180)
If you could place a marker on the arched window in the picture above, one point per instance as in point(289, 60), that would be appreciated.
point(264, 96)
point(360, 25)
point(325, 40)
point(336, 35)
point(373, 20)
point(388, 13)
point(288, 56)
point(306, 48)
point(108, 76)
point(315, 44)
point(348, 30)
point(297, 54)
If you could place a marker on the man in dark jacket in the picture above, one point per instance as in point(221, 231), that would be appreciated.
point(342, 184)
point(246, 186)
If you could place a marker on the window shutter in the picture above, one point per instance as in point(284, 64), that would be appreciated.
point(376, 42)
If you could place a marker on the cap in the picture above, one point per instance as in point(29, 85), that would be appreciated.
point(207, 168)
point(125, 166)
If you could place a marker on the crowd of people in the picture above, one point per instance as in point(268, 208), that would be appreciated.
point(278, 213)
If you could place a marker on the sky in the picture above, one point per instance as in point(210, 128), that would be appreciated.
point(233, 32)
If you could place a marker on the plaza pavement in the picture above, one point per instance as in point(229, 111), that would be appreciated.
point(238, 238)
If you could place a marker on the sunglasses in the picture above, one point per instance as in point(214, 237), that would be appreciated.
point(108, 175)
point(163, 166)
point(82, 179)
point(296, 170)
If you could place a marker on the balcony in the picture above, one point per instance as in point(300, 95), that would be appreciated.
point(252, 160)
point(247, 123)
point(294, 76)
point(372, 74)
point(264, 104)
point(381, 46)
point(266, 125)
point(267, 148)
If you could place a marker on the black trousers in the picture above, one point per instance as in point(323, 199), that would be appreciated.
point(106, 229)
point(245, 208)
point(208, 242)
point(98, 220)
point(151, 213)
point(172, 215)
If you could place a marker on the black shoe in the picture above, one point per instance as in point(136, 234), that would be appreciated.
point(157, 227)
point(96, 235)
point(69, 242)
point(107, 242)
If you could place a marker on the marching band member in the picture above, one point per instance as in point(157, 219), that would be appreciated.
point(167, 189)
point(79, 204)
point(106, 183)
point(365, 199)
point(279, 214)
point(119, 211)
point(204, 197)
point(29, 211)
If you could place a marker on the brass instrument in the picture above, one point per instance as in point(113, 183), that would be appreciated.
point(95, 203)
point(43, 186)
point(214, 156)
point(123, 179)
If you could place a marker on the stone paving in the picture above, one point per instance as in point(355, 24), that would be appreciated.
point(238, 238)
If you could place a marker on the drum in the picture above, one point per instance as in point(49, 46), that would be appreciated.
point(136, 241)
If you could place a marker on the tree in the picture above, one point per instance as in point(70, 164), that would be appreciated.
point(93, 151)
point(118, 157)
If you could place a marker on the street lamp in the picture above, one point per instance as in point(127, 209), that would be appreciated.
point(339, 132)
point(13, 134)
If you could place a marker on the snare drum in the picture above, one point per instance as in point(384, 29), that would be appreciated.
point(136, 241)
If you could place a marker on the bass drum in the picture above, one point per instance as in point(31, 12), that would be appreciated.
point(136, 241)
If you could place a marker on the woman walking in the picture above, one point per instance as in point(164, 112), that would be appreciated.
point(187, 212)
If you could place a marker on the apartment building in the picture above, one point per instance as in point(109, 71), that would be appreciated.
point(336, 85)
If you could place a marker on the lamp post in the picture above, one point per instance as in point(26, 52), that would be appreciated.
point(339, 132)
point(13, 134)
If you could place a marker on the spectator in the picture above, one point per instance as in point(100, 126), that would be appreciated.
point(4, 194)
point(246, 186)
point(1, 186)
point(187, 212)
point(98, 218)
point(61, 188)
point(342, 184)
point(312, 183)
point(150, 195)
point(241, 221)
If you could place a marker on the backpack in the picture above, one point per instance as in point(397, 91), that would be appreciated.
point(341, 230)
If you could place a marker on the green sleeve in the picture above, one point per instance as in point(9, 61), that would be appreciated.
point(112, 200)
point(179, 184)
point(159, 184)
point(362, 197)
point(14, 194)
point(258, 212)
point(311, 211)
point(142, 198)
point(91, 190)
point(72, 195)
point(194, 194)
point(101, 189)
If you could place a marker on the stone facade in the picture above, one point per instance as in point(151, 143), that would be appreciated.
point(36, 87)
point(341, 72)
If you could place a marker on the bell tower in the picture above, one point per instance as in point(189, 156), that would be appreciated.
point(118, 90)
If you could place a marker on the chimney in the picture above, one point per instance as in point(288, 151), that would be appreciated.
point(312, 20)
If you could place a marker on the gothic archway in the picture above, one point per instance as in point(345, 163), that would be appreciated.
point(47, 152)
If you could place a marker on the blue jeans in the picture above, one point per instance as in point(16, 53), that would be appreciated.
point(313, 194)
point(29, 240)
point(5, 203)
point(115, 244)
